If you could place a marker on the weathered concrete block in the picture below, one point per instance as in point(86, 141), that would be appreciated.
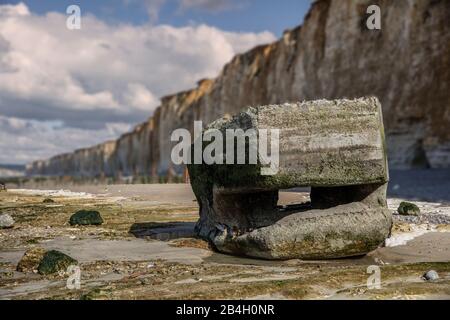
point(335, 147)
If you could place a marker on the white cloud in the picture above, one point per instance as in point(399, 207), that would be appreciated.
point(102, 73)
point(139, 97)
point(14, 10)
point(153, 7)
point(208, 5)
point(23, 140)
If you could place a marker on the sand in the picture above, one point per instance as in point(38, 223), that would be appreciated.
point(146, 250)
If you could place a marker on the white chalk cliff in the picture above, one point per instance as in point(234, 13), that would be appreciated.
point(332, 55)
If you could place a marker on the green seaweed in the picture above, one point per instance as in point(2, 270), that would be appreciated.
point(408, 209)
point(86, 217)
point(55, 261)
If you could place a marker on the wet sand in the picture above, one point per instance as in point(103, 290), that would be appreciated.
point(173, 194)
point(146, 250)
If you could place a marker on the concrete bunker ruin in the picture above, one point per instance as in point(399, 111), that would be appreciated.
point(335, 147)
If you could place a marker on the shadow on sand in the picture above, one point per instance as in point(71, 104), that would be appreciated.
point(163, 231)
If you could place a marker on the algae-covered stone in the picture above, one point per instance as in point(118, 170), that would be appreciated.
point(54, 261)
point(31, 260)
point(335, 147)
point(86, 217)
point(408, 209)
point(6, 221)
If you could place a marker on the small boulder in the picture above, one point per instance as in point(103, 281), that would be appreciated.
point(86, 217)
point(55, 261)
point(48, 200)
point(31, 260)
point(408, 209)
point(6, 221)
point(431, 275)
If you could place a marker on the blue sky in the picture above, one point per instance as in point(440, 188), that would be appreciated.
point(64, 89)
point(230, 15)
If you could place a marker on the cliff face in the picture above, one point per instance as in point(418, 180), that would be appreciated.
point(333, 55)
